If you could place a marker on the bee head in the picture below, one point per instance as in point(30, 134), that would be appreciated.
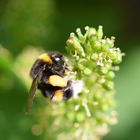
point(57, 58)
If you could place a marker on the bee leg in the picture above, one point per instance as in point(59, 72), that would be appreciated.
point(47, 94)
point(56, 72)
point(68, 92)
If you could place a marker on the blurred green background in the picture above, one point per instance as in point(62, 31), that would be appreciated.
point(46, 24)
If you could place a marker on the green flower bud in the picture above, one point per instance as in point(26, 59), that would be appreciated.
point(80, 117)
point(115, 55)
point(105, 47)
point(100, 32)
point(94, 56)
point(87, 71)
point(97, 96)
point(112, 54)
point(110, 75)
point(74, 44)
point(90, 31)
point(80, 66)
point(71, 116)
point(118, 58)
point(93, 39)
point(109, 85)
point(103, 70)
point(97, 46)
point(104, 107)
point(80, 35)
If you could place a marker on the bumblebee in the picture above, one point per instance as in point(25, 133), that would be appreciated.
point(48, 74)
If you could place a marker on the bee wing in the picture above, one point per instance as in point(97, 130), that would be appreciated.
point(33, 90)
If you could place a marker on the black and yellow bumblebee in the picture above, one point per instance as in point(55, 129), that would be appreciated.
point(48, 74)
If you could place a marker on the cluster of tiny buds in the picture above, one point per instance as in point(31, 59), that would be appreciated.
point(95, 58)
